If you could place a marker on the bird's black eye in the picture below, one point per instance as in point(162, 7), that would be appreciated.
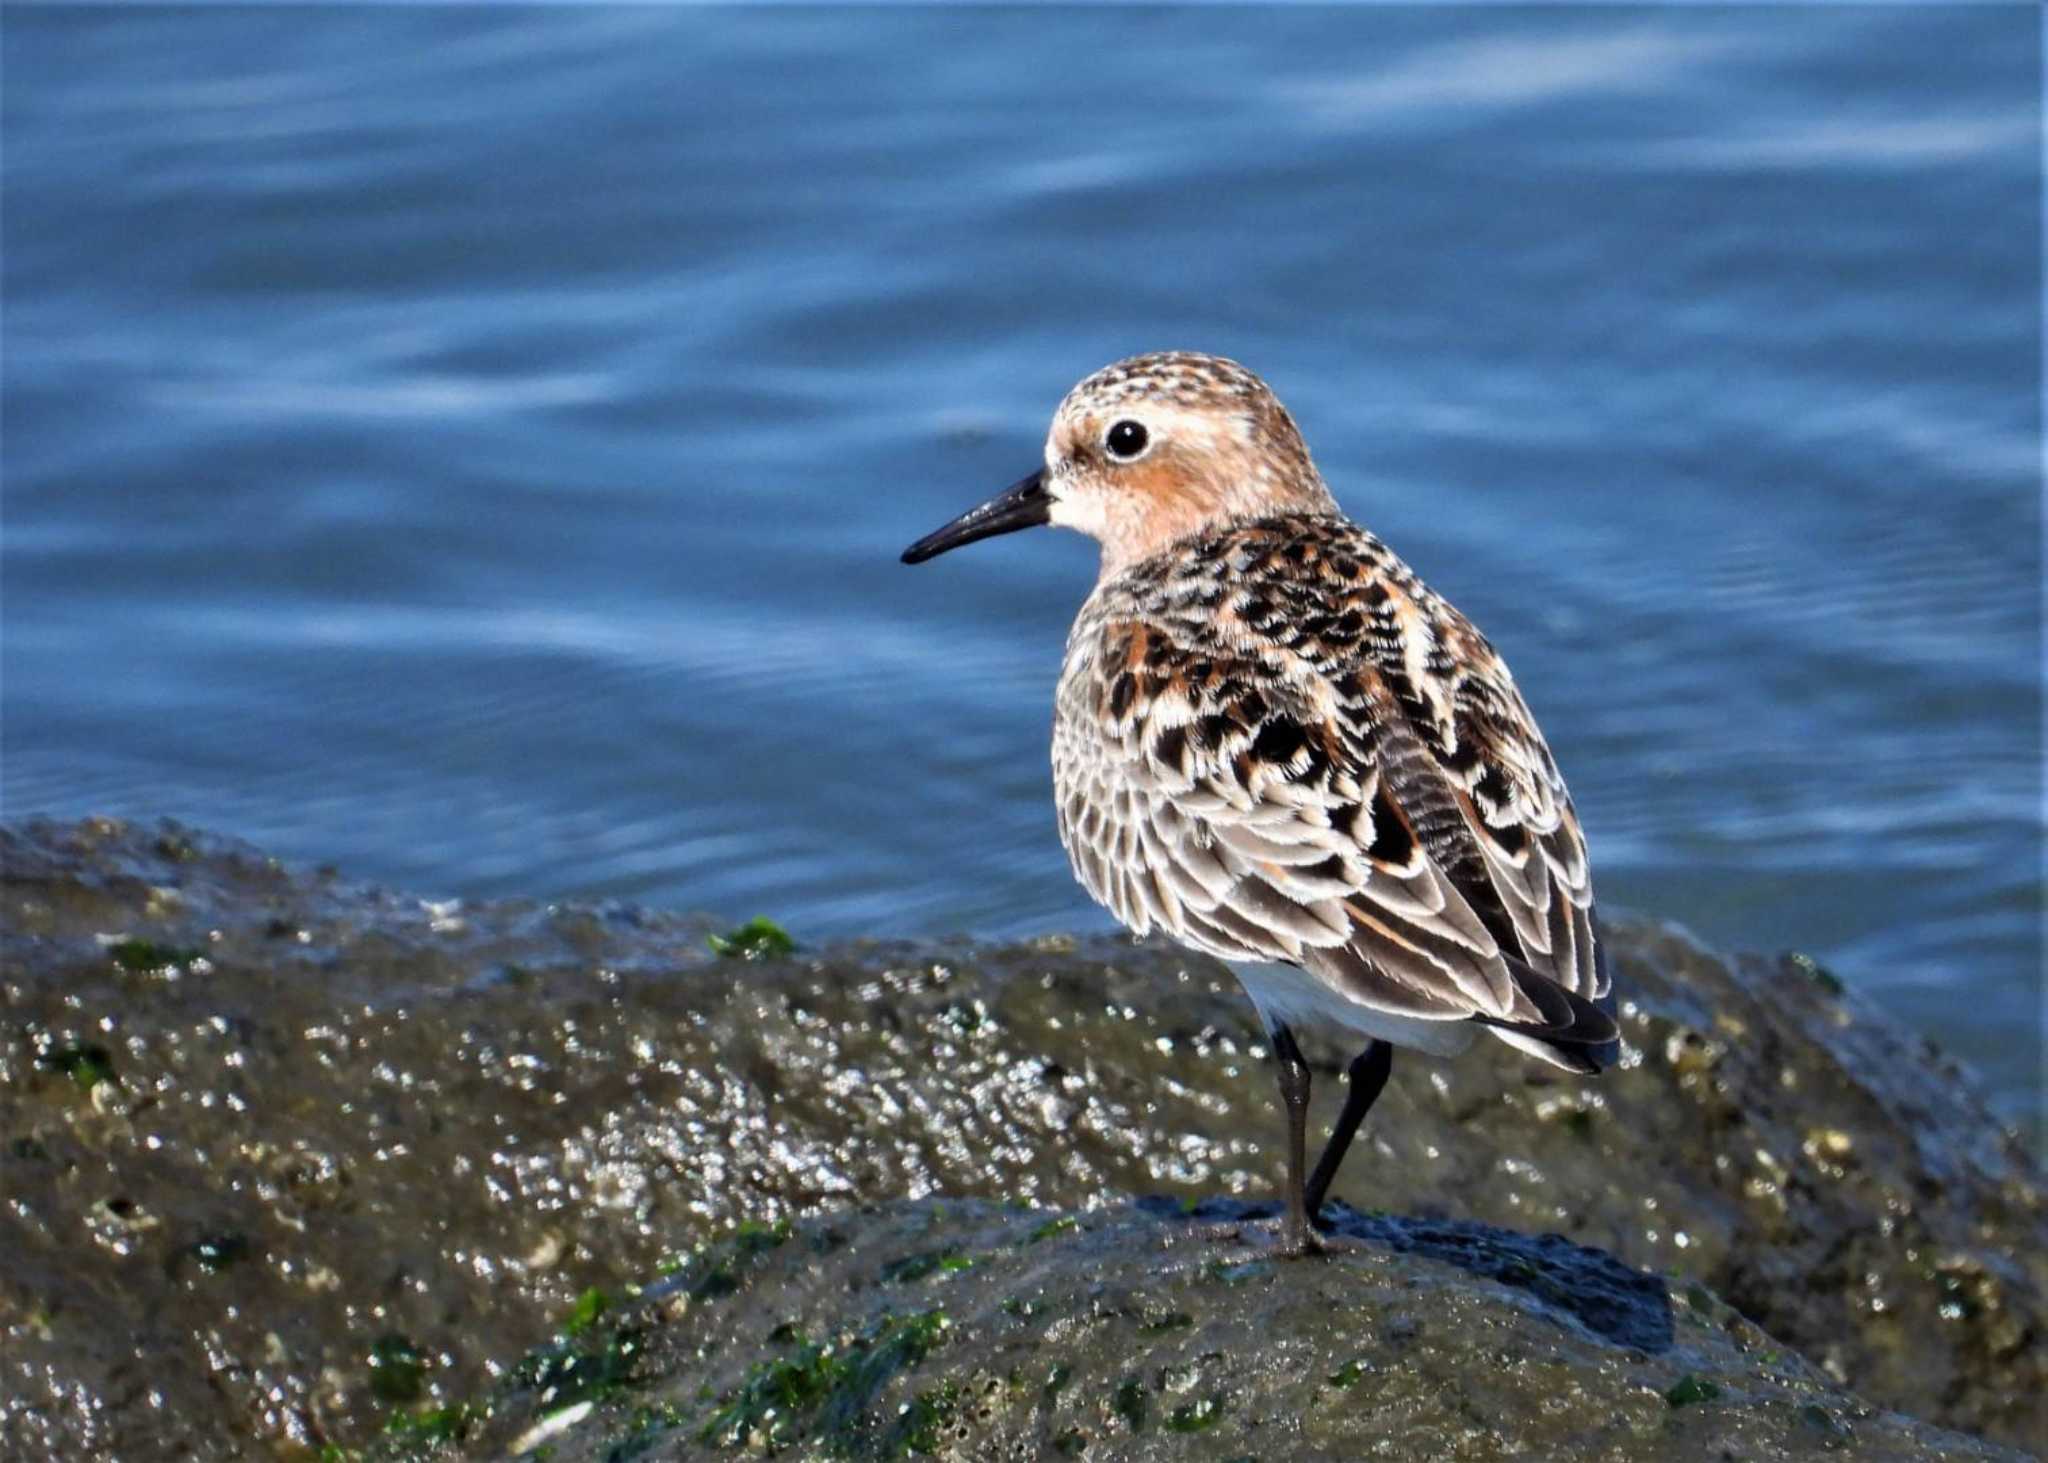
point(1127, 439)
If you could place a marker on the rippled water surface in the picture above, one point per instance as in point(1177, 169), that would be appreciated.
point(473, 447)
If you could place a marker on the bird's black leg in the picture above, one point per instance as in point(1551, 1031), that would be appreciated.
point(1369, 1071)
point(1295, 1238)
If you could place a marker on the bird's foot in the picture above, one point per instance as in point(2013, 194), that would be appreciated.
point(1297, 1241)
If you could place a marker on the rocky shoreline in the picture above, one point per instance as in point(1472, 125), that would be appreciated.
point(292, 1165)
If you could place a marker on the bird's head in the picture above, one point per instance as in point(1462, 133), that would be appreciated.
point(1150, 451)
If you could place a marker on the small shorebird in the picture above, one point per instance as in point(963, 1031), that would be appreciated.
point(1278, 745)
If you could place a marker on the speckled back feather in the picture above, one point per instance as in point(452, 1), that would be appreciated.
point(1274, 742)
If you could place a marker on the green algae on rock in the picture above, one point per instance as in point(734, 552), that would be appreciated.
point(760, 938)
point(1371, 1350)
point(448, 1122)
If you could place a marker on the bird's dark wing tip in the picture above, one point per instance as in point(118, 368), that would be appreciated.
point(1569, 1019)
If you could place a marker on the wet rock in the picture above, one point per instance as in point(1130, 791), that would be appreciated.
point(284, 1158)
point(976, 1331)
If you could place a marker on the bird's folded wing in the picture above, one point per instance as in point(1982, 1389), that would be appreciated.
point(1305, 817)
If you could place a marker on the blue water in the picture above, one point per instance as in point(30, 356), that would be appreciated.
point(473, 447)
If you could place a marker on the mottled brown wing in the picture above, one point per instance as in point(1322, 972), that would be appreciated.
point(1510, 838)
point(1250, 817)
point(1441, 713)
point(1341, 776)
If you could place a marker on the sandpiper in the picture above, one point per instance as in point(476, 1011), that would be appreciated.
point(1278, 745)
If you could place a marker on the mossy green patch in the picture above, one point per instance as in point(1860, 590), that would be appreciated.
point(920, 1266)
point(759, 938)
point(1197, 1416)
point(644, 1431)
point(1056, 1380)
point(429, 1427)
point(1689, 1389)
point(1348, 1374)
point(822, 1392)
point(587, 1312)
point(777, 1393)
point(1063, 1224)
point(918, 1425)
point(141, 956)
point(398, 1369)
point(1130, 1403)
point(86, 1063)
point(754, 1237)
point(583, 1367)
point(720, 1268)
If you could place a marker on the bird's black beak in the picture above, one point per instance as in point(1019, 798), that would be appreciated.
point(1024, 504)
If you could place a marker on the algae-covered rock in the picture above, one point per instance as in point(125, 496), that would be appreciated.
point(976, 1331)
point(284, 1158)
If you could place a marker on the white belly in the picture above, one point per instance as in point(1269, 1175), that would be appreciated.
point(1287, 996)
